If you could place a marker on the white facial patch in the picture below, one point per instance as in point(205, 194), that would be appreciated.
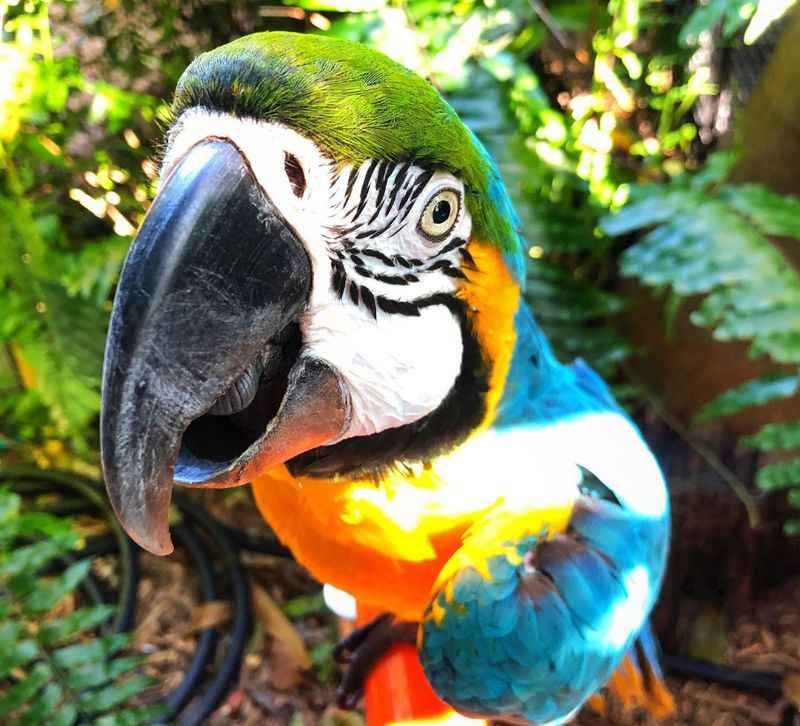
point(376, 311)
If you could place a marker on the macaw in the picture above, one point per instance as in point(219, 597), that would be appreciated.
point(325, 299)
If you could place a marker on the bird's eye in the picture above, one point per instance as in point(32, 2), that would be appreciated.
point(440, 215)
point(294, 172)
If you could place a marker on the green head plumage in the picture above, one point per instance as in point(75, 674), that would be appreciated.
point(355, 104)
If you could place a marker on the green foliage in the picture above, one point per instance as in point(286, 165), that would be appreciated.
point(53, 668)
point(706, 236)
point(729, 15)
point(67, 212)
point(775, 436)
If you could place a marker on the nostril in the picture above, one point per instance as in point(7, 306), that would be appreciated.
point(294, 172)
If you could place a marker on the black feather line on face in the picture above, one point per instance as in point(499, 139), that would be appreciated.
point(344, 231)
point(438, 265)
point(392, 279)
point(377, 232)
point(398, 307)
point(422, 182)
point(353, 288)
point(383, 177)
point(468, 258)
point(398, 182)
point(453, 244)
point(365, 188)
point(402, 204)
point(369, 302)
point(338, 279)
point(454, 272)
point(459, 414)
point(388, 261)
point(351, 180)
point(397, 231)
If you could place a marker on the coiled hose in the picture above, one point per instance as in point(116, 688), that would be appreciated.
point(205, 540)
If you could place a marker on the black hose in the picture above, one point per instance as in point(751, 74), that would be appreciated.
point(760, 683)
point(262, 545)
point(207, 642)
point(767, 685)
point(242, 618)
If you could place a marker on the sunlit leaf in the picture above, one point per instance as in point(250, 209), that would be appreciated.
point(771, 212)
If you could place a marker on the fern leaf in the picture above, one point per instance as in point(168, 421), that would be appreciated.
point(95, 650)
point(775, 436)
point(30, 558)
point(112, 695)
point(770, 212)
point(65, 715)
point(730, 15)
point(49, 593)
point(751, 393)
point(99, 673)
point(15, 653)
point(55, 632)
point(45, 675)
point(40, 710)
point(779, 475)
point(20, 693)
point(131, 716)
point(649, 211)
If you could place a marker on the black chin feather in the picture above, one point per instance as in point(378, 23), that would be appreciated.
point(459, 414)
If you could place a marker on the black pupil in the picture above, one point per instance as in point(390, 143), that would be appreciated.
point(441, 212)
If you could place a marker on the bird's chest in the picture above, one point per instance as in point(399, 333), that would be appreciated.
point(387, 542)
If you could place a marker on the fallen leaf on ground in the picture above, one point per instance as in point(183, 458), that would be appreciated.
point(289, 657)
point(791, 688)
point(210, 614)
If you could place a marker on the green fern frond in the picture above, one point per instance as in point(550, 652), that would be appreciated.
point(755, 392)
point(59, 336)
point(775, 437)
point(701, 235)
point(779, 475)
point(53, 668)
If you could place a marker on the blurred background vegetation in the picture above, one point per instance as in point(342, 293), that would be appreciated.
point(651, 148)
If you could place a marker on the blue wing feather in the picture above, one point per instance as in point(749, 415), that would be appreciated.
point(535, 639)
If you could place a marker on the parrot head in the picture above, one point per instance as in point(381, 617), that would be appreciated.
point(327, 279)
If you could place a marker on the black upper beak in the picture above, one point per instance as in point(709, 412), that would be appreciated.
point(204, 380)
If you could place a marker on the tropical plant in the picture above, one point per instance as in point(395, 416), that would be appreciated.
point(56, 664)
point(707, 236)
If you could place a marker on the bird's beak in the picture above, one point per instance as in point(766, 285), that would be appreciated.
point(205, 381)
